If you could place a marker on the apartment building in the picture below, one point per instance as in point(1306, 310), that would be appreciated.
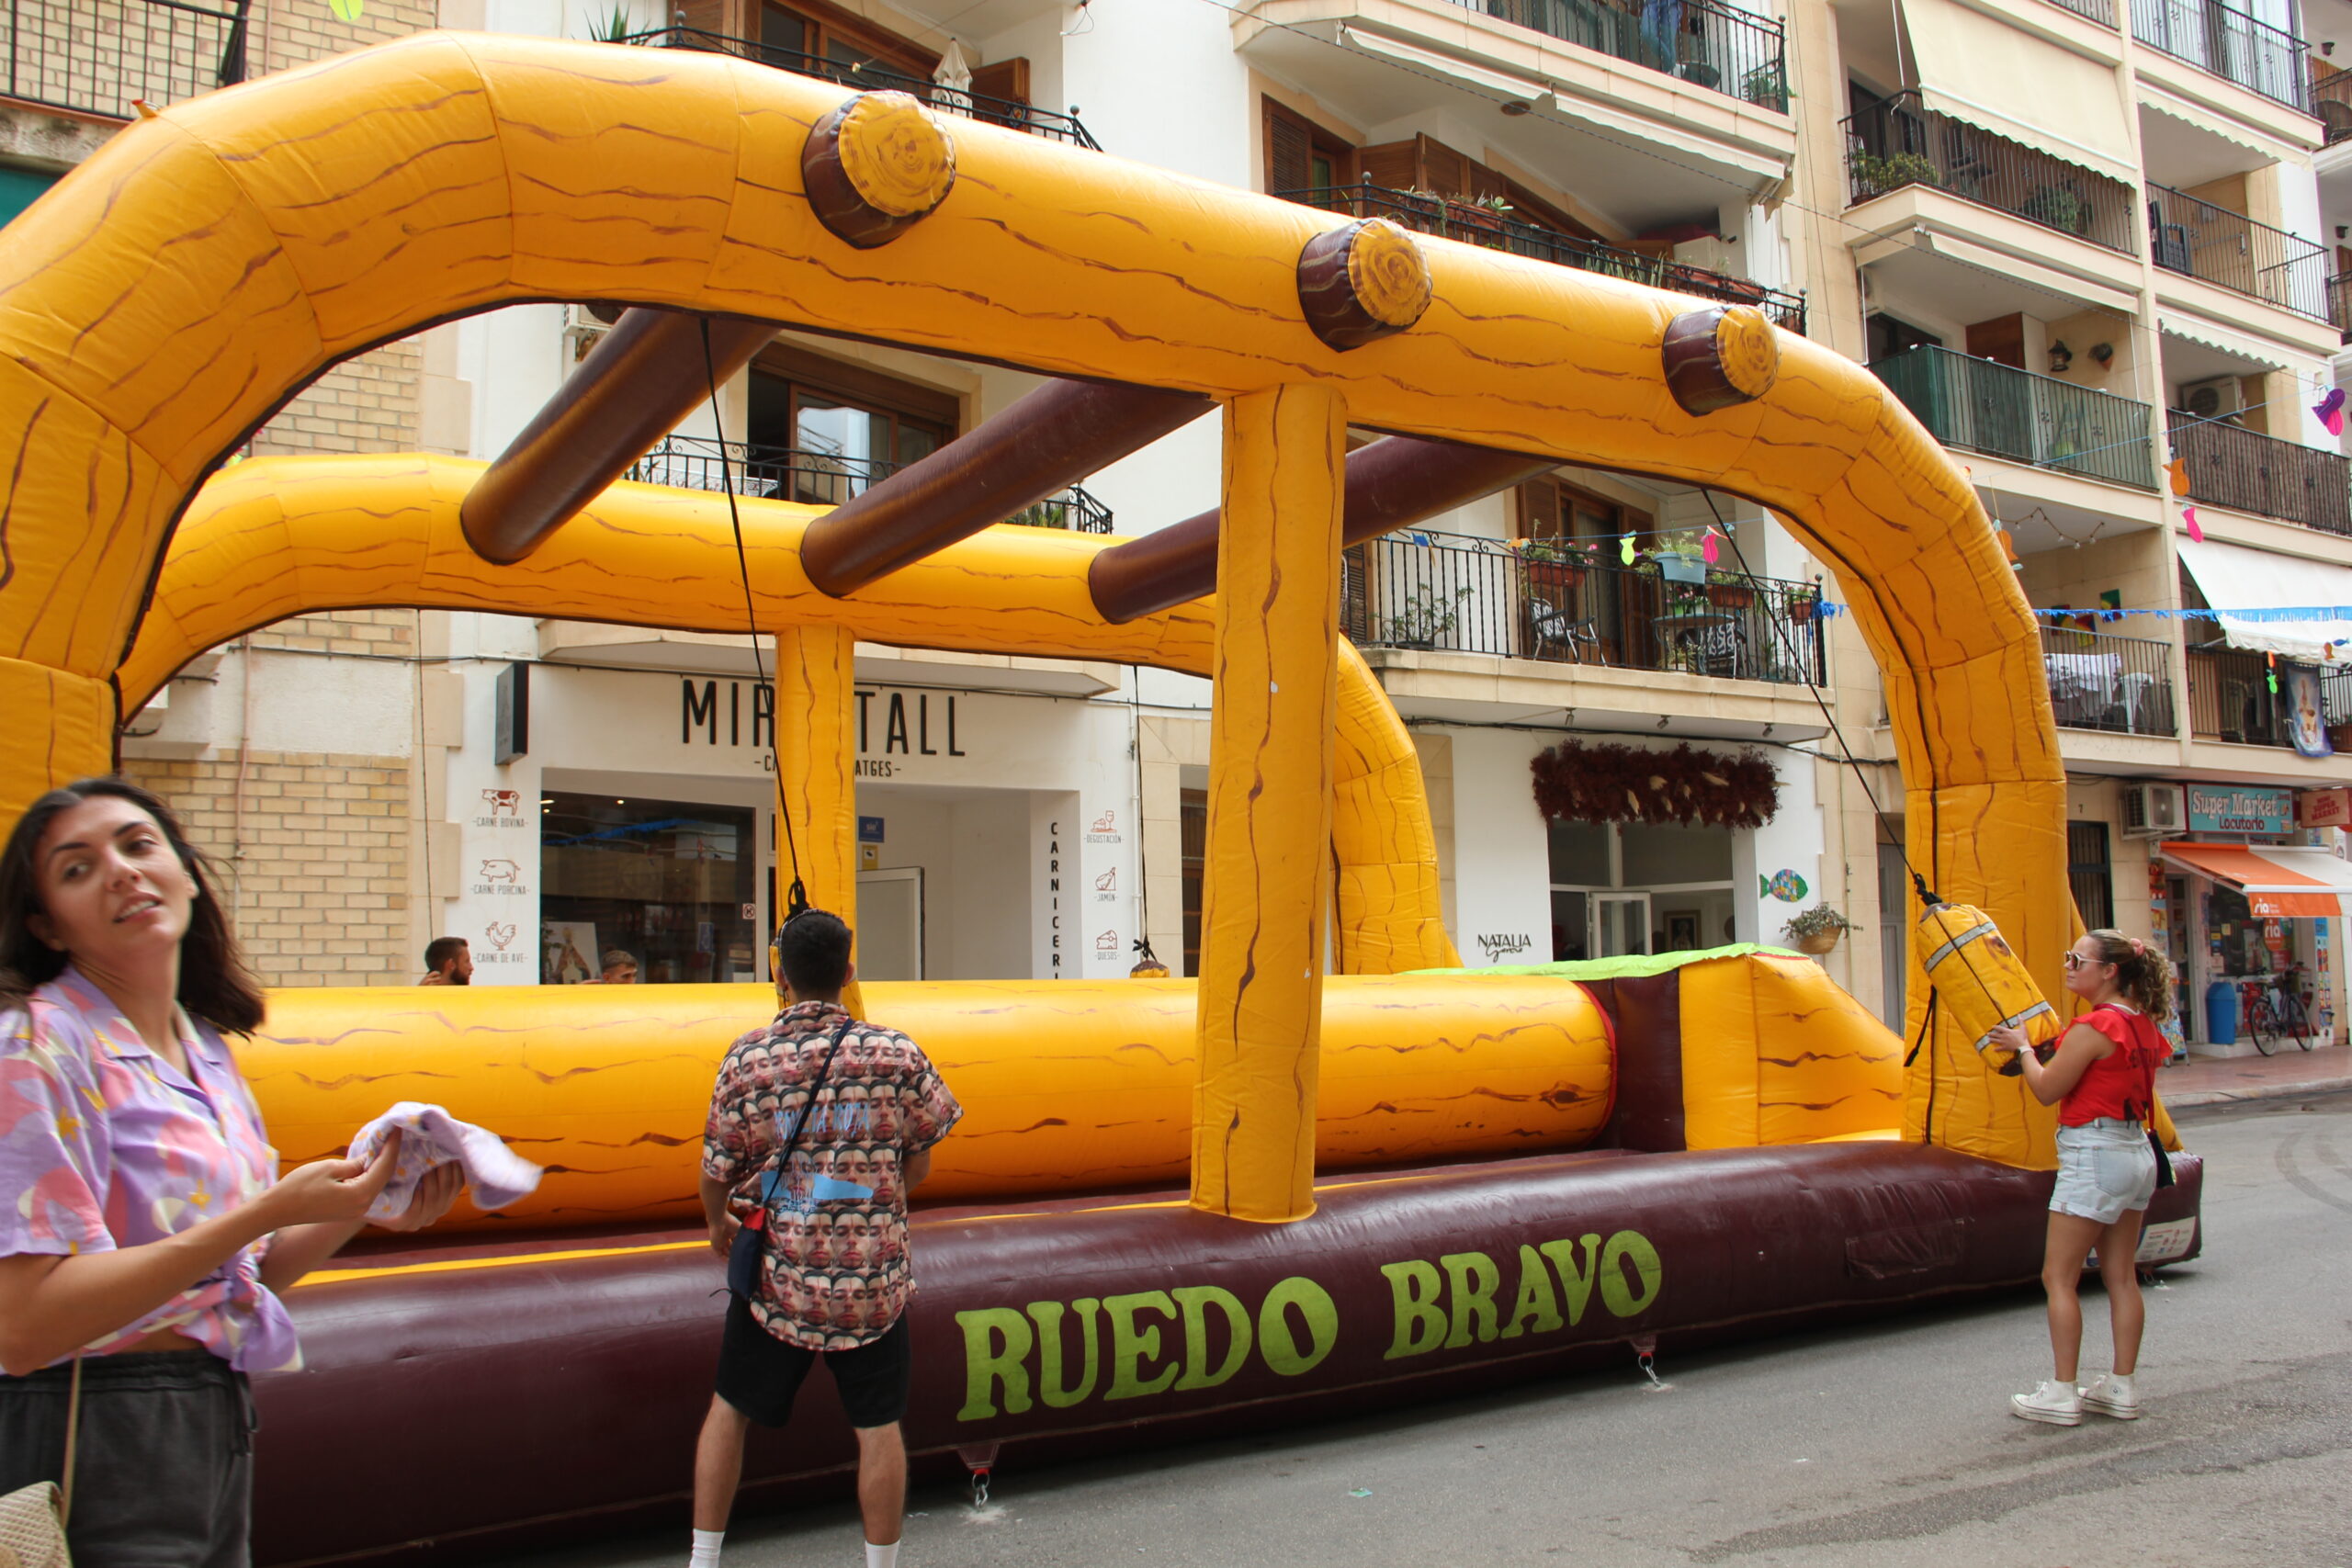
point(2090, 238)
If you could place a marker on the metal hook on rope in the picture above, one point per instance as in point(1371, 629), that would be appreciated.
point(980, 1459)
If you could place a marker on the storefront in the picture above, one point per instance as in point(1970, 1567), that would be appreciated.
point(2244, 906)
point(995, 835)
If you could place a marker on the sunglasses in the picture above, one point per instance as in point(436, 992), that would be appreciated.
point(2075, 961)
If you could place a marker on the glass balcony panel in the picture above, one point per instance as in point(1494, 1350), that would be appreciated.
point(1983, 406)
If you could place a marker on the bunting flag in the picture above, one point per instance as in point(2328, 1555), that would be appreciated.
point(2178, 469)
point(2330, 409)
point(1708, 549)
point(2283, 613)
point(2188, 520)
point(1625, 549)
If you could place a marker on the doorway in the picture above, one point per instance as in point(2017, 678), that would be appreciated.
point(889, 924)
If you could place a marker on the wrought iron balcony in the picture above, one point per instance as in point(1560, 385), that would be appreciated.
point(1450, 591)
point(2340, 304)
point(2230, 698)
point(1732, 51)
point(2099, 11)
point(2228, 42)
point(2123, 684)
point(1998, 409)
point(823, 478)
point(1478, 225)
point(1051, 124)
point(97, 56)
point(1898, 142)
point(2248, 472)
point(2196, 239)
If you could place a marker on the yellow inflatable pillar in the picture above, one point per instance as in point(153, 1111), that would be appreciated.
point(816, 781)
point(1268, 875)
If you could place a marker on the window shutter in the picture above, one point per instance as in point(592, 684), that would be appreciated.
point(1289, 146)
point(1538, 510)
point(1006, 79)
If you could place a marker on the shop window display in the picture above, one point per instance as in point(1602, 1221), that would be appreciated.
point(672, 884)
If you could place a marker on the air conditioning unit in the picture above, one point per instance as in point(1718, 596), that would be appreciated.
point(2223, 396)
point(2154, 811)
point(583, 324)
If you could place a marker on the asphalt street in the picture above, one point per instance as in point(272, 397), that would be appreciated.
point(1885, 1447)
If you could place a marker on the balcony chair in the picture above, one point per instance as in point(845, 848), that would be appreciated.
point(1554, 627)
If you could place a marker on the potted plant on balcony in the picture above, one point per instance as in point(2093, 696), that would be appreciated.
point(1815, 931)
point(1681, 556)
point(1423, 617)
point(1477, 215)
point(2062, 208)
point(1876, 174)
point(1555, 566)
point(1729, 589)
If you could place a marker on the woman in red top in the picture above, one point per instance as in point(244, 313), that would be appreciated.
point(2102, 1079)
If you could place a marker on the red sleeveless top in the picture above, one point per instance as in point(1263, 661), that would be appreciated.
point(2121, 1084)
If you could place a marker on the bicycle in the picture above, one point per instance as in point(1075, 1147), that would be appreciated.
point(2273, 1014)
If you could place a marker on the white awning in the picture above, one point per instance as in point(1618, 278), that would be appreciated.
point(2254, 350)
point(2018, 85)
point(2233, 578)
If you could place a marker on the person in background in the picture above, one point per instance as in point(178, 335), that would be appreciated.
point(145, 1233)
point(854, 1158)
point(620, 966)
point(448, 961)
point(2103, 1079)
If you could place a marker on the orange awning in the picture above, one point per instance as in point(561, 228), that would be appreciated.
point(2280, 882)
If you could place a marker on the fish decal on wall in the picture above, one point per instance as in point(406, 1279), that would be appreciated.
point(1784, 884)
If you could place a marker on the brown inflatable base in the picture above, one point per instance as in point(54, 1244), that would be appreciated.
point(500, 1402)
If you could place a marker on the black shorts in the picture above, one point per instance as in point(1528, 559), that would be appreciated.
point(759, 1374)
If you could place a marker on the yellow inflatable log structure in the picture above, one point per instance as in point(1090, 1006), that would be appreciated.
point(1077, 1085)
point(282, 536)
point(161, 302)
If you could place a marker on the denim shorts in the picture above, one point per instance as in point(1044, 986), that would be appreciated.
point(164, 1478)
point(2106, 1170)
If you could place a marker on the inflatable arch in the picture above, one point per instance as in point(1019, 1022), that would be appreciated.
point(160, 304)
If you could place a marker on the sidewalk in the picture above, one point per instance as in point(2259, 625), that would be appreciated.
point(2214, 1080)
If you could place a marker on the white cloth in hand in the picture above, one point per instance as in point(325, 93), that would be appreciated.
point(495, 1175)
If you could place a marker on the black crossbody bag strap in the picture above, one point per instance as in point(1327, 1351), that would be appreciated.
point(743, 1255)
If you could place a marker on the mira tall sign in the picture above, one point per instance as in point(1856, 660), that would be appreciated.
point(2214, 809)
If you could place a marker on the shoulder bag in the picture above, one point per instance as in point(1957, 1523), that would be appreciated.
point(32, 1518)
point(743, 1255)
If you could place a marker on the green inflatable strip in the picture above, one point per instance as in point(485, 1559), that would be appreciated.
point(1630, 967)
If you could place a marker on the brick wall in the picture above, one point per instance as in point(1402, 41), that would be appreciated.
point(382, 632)
point(321, 894)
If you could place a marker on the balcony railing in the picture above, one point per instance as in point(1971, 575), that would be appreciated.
point(96, 56)
point(1898, 143)
point(870, 76)
point(2332, 101)
point(1998, 409)
point(2198, 239)
point(1429, 591)
point(2340, 304)
point(2230, 698)
point(1719, 47)
point(1478, 225)
point(823, 478)
point(2099, 11)
point(2123, 684)
point(2228, 42)
point(2248, 472)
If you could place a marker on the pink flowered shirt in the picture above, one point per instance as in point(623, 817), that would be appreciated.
point(103, 1144)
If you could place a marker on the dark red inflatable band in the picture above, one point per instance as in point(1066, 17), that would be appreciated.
point(530, 1401)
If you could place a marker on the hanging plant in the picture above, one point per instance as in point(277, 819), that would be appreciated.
point(1607, 783)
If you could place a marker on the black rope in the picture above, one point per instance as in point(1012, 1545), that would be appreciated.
point(796, 899)
point(1143, 953)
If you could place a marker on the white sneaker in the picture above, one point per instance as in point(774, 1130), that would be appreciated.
point(2113, 1394)
point(2060, 1404)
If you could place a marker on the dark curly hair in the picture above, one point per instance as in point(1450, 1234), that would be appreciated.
point(215, 985)
point(2143, 973)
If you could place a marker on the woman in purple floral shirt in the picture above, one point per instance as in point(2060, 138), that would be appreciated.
point(144, 1229)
